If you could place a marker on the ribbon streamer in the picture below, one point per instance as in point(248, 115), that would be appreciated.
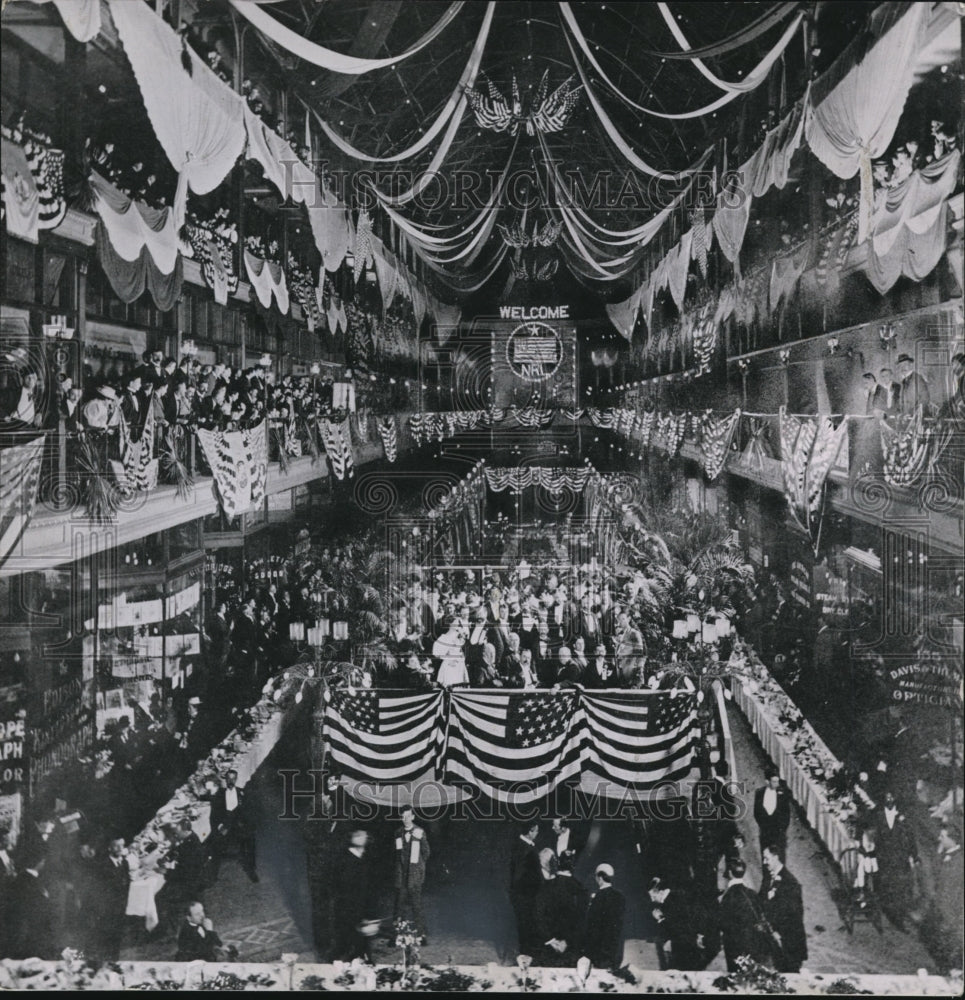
point(329, 59)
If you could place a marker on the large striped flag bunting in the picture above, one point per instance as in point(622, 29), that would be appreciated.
point(337, 442)
point(514, 746)
point(383, 736)
point(19, 476)
point(239, 463)
point(387, 432)
point(635, 740)
point(137, 470)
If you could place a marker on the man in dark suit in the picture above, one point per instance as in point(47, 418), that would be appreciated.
point(411, 857)
point(231, 825)
point(677, 934)
point(589, 622)
point(913, 388)
point(197, 939)
point(525, 880)
point(772, 811)
point(350, 900)
point(603, 940)
point(192, 736)
point(574, 902)
point(897, 855)
point(422, 618)
point(186, 880)
point(529, 627)
point(741, 921)
point(876, 400)
point(783, 907)
point(473, 647)
point(32, 929)
point(114, 884)
point(8, 882)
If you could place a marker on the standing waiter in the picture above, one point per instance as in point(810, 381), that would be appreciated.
point(411, 855)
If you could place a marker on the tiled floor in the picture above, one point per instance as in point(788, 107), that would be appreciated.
point(467, 911)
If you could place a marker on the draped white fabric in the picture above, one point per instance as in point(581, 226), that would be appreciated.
point(753, 79)
point(329, 59)
point(334, 234)
point(132, 226)
point(636, 236)
point(198, 120)
point(678, 266)
point(473, 235)
point(456, 101)
point(446, 316)
point(385, 272)
point(268, 280)
point(82, 18)
point(21, 198)
point(611, 130)
point(856, 121)
point(732, 214)
point(759, 74)
point(909, 228)
point(438, 158)
point(770, 165)
point(623, 315)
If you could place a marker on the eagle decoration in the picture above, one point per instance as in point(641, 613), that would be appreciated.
point(548, 112)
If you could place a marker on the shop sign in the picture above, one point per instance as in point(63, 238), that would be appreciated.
point(934, 682)
point(13, 749)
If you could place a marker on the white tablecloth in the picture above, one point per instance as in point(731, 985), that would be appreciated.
point(762, 710)
point(230, 754)
point(141, 898)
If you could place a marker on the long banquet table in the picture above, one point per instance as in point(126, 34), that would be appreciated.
point(800, 755)
point(150, 849)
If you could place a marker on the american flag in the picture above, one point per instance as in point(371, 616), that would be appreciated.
point(19, 476)
point(533, 350)
point(388, 737)
point(239, 462)
point(515, 747)
point(638, 739)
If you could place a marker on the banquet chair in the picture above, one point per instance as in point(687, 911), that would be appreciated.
point(857, 905)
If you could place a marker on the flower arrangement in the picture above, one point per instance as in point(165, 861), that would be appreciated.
point(751, 976)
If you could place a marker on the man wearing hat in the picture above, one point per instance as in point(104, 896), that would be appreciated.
point(912, 389)
point(603, 940)
point(101, 413)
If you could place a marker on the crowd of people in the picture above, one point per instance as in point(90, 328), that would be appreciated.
point(176, 397)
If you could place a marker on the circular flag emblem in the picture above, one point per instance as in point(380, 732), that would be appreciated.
point(534, 351)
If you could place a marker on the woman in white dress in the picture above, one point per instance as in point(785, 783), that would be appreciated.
point(448, 650)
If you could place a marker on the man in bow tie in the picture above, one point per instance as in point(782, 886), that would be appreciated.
point(783, 907)
point(411, 857)
point(231, 824)
point(772, 811)
point(897, 856)
point(197, 939)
